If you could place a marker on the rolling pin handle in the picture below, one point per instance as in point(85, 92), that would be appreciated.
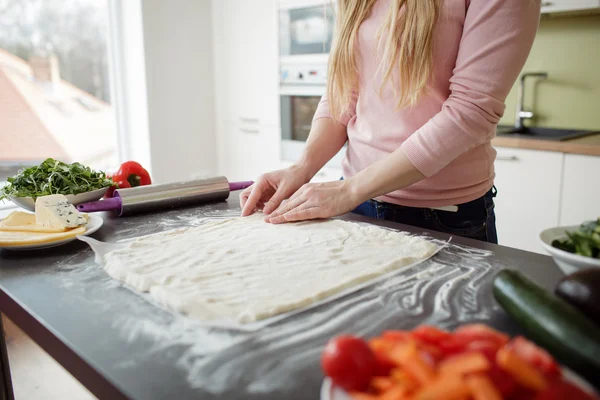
point(233, 186)
point(112, 204)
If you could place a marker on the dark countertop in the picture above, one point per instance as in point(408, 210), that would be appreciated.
point(120, 345)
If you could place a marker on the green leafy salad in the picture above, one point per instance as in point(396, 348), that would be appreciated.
point(584, 241)
point(54, 177)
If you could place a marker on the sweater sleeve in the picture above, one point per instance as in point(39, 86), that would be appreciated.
point(496, 40)
point(323, 109)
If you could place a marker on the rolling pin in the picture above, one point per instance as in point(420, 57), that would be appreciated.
point(164, 196)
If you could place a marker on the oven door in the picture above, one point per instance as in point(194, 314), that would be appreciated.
point(298, 107)
point(305, 28)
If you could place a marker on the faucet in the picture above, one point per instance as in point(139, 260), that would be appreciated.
point(522, 114)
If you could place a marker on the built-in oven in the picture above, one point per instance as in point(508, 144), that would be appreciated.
point(305, 36)
point(301, 88)
point(305, 29)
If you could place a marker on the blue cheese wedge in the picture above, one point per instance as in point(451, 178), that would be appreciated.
point(56, 211)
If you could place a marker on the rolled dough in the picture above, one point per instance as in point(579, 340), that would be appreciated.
point(245, 269)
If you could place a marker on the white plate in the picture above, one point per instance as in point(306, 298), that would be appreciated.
point(94, 223)
point(28, 203)
point(331, 392)
point(568, 262)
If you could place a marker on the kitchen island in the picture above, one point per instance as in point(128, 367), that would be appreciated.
point(121, 346)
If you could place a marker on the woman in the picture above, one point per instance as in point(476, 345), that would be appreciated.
point(416, 88)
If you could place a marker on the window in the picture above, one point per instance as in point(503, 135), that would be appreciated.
point(55, 98)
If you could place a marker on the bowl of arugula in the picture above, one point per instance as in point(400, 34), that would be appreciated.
point(574, 247)
point(77, 182)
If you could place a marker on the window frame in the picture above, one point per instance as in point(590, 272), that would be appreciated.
point(127, 80)
point(127, 75)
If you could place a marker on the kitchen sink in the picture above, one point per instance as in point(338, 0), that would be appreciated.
point(555, 134)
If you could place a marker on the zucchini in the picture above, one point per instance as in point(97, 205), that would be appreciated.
point(551, 322)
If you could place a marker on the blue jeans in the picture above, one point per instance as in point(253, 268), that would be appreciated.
point(475, 219)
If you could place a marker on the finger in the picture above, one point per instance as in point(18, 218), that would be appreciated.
point(298, 192)
point(275, 201)
point(287, 206)
point(299, 214)
point(281, 199)
point(253, 199)
point(278, 199)
point(244, 195)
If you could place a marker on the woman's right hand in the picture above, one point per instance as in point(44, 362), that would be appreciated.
point(272, 188)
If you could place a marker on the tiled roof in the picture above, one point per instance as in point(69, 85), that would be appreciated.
point(38, 120)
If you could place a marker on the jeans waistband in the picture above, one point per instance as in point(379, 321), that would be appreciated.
point(451, 208)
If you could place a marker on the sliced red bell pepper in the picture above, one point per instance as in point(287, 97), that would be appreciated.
point(535, 356)
point(430, 334)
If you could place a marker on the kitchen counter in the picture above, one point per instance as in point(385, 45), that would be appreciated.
point(588, 145)
point(122, 346)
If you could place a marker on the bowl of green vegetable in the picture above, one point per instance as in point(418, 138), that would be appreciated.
point(77, 182)
point(574, 247)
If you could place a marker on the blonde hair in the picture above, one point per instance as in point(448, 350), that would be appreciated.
point(408, 49)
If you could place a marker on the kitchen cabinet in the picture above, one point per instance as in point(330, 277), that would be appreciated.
point(528, 200)
point(581, 190)
point(246, 87)
point(246, 61)
point(251, 150)
point(559, 6)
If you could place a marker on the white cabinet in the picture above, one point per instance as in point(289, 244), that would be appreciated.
point(250, 150)
point(246, 61)
point(557, 6)
point(528, 201)
point(539, 190)
point(581, 189)
point(246, 87)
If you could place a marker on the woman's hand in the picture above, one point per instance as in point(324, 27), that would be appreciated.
point(317, 200)
point(271, 189)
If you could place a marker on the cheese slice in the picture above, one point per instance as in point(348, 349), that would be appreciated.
point(56, 211)
point(14, 238)
point(25, 222)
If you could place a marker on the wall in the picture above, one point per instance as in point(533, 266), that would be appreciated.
point(568, 48)
point(179, 76)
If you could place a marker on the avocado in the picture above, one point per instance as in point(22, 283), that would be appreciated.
point(582, 290)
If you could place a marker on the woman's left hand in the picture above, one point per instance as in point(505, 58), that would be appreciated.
point(316, 200)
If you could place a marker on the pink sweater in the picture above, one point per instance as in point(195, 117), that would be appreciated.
point(480, 49)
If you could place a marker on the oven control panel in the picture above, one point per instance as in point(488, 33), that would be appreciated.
point(303, 74)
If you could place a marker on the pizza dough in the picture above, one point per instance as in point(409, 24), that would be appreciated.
point(245, 269)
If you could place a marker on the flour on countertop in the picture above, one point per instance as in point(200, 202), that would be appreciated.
point(213, 359)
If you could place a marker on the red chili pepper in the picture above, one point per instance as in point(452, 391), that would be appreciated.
point(129, 174)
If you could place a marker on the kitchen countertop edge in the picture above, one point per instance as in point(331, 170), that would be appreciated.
point(589, 145)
